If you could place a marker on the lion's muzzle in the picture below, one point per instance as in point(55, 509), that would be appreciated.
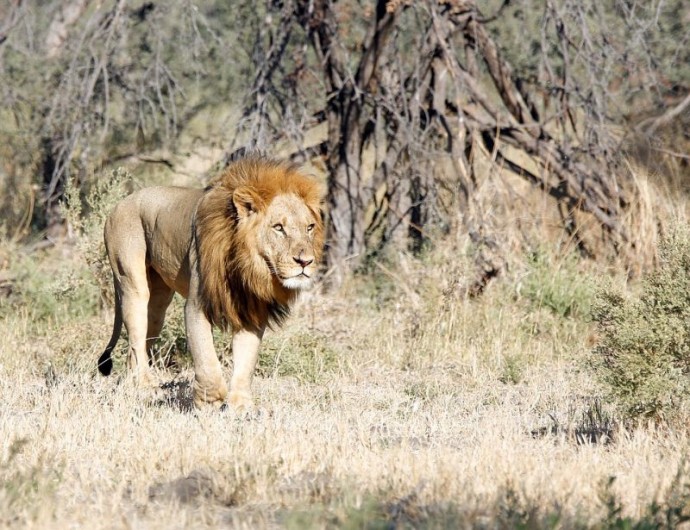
point(304, 259)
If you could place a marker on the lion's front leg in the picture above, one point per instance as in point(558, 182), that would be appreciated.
point(209, 384)
point(245, 353)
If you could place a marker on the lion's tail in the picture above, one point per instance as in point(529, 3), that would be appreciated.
point(105, 362)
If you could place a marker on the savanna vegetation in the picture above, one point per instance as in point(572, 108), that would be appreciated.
point(501, 335)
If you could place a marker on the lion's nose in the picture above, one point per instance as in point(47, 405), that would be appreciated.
point(303, 260)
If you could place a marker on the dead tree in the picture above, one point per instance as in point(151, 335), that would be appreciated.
point(95, 83)
point(411, 93)
point(425, 81)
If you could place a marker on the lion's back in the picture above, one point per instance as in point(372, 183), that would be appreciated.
point(154, 224)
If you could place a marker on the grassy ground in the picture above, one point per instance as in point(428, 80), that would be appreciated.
point(392, 403)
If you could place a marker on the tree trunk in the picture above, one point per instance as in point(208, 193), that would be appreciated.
point(349, 117)
point(415, 107)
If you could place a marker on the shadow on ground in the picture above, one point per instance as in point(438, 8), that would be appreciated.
point(176, 394)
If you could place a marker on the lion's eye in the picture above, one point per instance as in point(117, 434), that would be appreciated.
point(310, 227)
point(278, 227)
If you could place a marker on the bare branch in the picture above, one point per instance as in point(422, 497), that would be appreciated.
point(666, 118)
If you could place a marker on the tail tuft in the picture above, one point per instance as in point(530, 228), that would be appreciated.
point(105, 363)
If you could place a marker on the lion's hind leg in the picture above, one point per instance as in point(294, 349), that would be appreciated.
point(128, 260)
point(135, 298)
point(160, 296)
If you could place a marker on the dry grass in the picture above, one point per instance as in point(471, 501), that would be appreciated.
point(455, 413)
point(393, 403)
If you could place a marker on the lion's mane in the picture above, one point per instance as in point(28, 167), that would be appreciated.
point(237, 287)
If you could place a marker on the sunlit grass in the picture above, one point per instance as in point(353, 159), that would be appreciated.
point(373, 412)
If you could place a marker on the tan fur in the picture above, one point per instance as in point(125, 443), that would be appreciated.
point(240, 251)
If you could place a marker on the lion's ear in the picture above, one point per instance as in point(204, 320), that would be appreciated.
point(246, 201)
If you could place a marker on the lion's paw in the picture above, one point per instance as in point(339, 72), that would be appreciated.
point(205, 395)
point(145, 385)
point(242, 403)
point(146, 380)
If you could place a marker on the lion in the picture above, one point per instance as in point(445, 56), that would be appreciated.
point(239, 251)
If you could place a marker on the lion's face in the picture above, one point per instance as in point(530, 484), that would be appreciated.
point(290, 241)
point(259, 237)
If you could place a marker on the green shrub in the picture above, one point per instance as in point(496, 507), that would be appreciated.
point(47, 292)
point(670, 510)
point(643, 355)
point(44, 292)
point(304, 355)
point(87, 214)
point(558, 285)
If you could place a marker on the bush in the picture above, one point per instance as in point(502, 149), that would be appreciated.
point(304, 355)
point(76, 287)
point(558, 286)
point(87, 214)
point(643, 357)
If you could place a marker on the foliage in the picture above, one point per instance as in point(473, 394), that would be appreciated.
point(513, 508)
point(125, 77)
point(671, 511)
point(615, 61)
point(643, 357)
point(406, 132)
point(87, 210)
point(304, 355)
point(558, 284)
point(76, 290)
point(629, 52)
point(50, 295)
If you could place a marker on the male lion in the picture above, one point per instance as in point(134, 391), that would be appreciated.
point(239, 251)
